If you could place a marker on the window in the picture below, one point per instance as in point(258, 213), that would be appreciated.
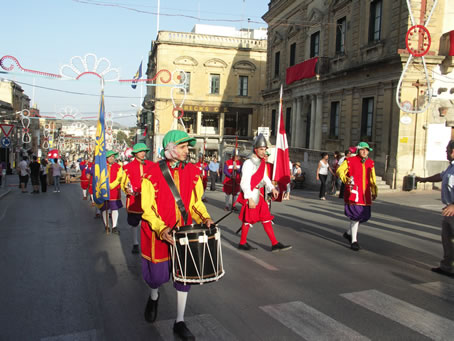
point(186, 80)
point(367, 118)
point(214, 83)
point(375, 20)
point(277, 61)
point(340, 35)
point(236, 123)
point(210, 124)
point(292, 54)
point(273, 122)
point(190, 121)
point(288, 121)
point(334, 120)
point(315, 44)
point(242, 86)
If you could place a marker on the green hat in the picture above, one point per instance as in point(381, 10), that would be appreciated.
point(177, 137)
point(110, 153)
point(140, 147)
point(363, 145)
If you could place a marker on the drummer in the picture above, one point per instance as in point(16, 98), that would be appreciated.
point(161, 214)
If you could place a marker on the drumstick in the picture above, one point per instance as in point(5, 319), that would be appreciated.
point(223, 218)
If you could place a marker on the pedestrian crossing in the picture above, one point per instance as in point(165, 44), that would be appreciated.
point(308, 323)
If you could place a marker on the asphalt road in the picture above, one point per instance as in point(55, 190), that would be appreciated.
point(63, 278)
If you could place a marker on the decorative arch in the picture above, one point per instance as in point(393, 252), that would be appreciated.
point(244, 66)
point(186, 61)
point(215, 63)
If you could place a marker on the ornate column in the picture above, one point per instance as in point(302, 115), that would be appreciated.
point(318, 123)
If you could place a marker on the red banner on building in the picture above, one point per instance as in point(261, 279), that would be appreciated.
point(302, 70)
point(451, 43)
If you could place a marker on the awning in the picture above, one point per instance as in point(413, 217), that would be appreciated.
point(302, 70)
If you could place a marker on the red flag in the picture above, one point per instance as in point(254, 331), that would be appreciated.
point(281, 170)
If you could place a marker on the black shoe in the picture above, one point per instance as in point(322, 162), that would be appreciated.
point(280, 247)
point(355, 246)
point(182, 331)
point(135, 248)
point(246, 247)
point(115, 231)
point(443, 272)
point(151, 310)
point(348, 237)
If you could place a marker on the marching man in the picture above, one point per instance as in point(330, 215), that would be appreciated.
point(114, 203)
point(254, 180)
point(161, 214)
point(203, 167)
point(232, 172)
point(83, 178)
point(131, 185)
point(358, 175)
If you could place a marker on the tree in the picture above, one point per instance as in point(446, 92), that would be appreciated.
point(123, 138)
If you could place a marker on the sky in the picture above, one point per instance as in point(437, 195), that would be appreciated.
point(44, 35)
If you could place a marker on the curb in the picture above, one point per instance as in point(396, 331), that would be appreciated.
point(4, 193)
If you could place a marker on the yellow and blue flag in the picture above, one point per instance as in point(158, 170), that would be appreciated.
point(101, 191)
point(137, 76)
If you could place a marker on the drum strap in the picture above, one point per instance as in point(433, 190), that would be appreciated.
point(176, 195)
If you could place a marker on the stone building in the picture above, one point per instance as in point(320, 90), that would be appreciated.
point(340, 62)
point(223, 72)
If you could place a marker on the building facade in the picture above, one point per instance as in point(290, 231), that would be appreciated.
point(340, 62)
point(218, 73)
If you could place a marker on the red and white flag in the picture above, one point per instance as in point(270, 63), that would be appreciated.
point(281, 170)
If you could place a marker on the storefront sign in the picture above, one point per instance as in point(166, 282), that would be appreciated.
point(204, 108)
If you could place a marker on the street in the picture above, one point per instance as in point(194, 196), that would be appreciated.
point(63, 278)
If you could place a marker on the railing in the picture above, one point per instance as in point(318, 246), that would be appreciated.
point(205, 39)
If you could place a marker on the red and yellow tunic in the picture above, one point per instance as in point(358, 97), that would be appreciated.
point(161, 211)
point(229, 179)
point(115, 178)
point(89, 173)
point(83, 177)
point(359, 177)
point(203, 166)
point(133, 173)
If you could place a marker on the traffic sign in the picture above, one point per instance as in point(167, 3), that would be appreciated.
point(7, 129)
point(5, 142)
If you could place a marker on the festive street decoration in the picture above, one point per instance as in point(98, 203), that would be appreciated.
point(418, 43)
point(13, 61)
point(25, 120)
point(89, 65)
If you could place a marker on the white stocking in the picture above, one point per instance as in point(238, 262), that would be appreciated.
point(105, 217)
point(135, 239)
point(354, 225)
point(84, 191)
point(154, 294)
point(114, 218)
point(181, 305)
point(227, 200)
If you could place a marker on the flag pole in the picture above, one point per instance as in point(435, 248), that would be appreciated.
point(278, 130)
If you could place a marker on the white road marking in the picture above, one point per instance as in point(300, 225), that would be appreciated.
point(433, 326)
point(439, 289)
point(310, 323)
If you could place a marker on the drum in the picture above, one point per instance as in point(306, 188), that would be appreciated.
point(197, 254)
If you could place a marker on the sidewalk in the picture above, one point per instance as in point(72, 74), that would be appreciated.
point(7, 182)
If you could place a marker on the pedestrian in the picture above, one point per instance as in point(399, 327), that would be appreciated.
point(254, 182)
point(83, 166)
point(335, 165)
point(347, 154)
point(56, 173)
point(24, 172)
point(447, 226)
point(213, 172)
point(322, 174)
point(231, 184)
point(159, 216)
point(35, 168)
point(43, 175)
point(114, 171)
point(286, 195)
point(297, 174)
point(67, 173)
point(131, 185)
point(358, 175)
point(203, 167)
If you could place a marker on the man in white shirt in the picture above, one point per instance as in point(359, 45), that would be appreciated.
point(24, 171)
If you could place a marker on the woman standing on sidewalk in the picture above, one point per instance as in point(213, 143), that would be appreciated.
point(56, 173)
point(322, 174)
